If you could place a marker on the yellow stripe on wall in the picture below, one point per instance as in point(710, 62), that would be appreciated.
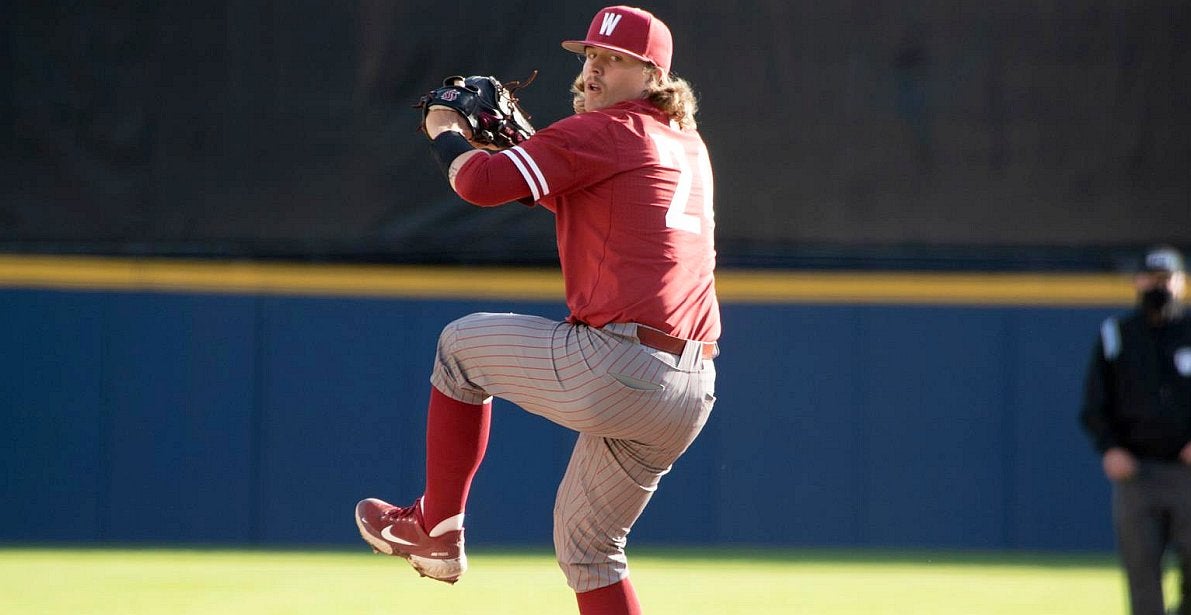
point(735, 286)
point(51, 272)
point(926, 288)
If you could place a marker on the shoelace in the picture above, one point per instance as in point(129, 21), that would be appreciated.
point(398, 513)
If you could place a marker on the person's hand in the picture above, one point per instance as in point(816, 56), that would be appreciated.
point(1119, 464)
point(485, 111)
point(1185, 454)
point(442, 119)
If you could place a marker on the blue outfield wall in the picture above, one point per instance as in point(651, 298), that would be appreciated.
point(261, 419)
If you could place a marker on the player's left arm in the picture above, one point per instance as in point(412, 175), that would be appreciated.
point(453, 148)
point(551, 162)
point(570, 154)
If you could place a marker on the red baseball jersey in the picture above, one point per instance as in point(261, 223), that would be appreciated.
point(632, 196)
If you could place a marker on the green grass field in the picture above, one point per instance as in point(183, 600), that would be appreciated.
point(226, 582)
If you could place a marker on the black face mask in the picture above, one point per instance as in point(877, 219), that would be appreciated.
point(1155, 300)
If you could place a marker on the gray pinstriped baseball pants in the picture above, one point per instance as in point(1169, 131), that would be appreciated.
point(636, 410)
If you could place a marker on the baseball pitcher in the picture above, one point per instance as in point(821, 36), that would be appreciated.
point(631, 369)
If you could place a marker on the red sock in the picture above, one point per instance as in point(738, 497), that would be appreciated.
point(456, 438)
point(618, 599)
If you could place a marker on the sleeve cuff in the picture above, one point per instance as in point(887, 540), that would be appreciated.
point(448, 146)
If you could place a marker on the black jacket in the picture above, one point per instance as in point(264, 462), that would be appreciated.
point(1137, 394)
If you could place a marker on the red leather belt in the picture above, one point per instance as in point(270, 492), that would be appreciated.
point(673, 345)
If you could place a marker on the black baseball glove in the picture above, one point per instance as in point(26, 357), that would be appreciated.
point(490, 108)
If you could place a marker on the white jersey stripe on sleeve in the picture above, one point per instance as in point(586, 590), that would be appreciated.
point(525, 173)
point(537, 172)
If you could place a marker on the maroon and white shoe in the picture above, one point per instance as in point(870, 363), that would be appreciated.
point(394, 530)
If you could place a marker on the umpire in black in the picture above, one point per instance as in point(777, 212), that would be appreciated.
point(1137, 411)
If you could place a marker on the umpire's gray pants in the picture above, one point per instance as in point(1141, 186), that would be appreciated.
point(1150, 512)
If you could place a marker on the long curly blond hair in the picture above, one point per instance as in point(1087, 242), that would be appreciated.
point(668, 92)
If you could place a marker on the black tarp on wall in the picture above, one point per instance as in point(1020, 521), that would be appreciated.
point(261, 127)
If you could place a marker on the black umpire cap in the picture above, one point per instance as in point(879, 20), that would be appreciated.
point(1163, 259)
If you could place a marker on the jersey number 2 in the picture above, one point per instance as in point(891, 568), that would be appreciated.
point(686, 212)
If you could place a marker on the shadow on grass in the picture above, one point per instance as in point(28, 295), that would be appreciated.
point(951, 557)
point(722, 554)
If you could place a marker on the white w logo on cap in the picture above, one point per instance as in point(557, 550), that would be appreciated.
point(609, 23)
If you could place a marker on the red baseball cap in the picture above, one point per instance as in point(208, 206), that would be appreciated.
point(632, 31)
